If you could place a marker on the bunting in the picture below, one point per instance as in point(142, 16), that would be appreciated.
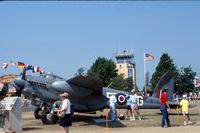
point(21, 65)
point(5, 65)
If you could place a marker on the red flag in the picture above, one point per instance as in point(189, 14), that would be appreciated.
point(36, 69)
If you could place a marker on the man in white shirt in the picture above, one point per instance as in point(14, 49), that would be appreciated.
point(65, 121)
point(112, 102)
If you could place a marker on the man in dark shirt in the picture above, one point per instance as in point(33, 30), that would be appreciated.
point(165, 108)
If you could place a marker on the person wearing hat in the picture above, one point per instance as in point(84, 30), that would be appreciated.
point(164, 107)
point(134, 105)
point(184, 105)
point(65, 121)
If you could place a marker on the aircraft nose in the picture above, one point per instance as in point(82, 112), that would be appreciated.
point(19, 82)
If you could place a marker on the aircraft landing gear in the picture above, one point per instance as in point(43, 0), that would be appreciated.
point(48, 118)
point(37, 113)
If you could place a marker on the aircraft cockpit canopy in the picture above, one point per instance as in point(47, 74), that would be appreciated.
point(52, 76)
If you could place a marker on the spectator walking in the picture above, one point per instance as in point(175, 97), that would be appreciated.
point(165, 108)
point(184, 104)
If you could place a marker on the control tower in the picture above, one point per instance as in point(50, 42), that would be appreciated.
point(125, 65)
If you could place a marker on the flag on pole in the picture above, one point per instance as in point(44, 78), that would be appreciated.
point(148, 57)
point(29, 67)
point(20, 65)
point(42, 72)
point(5, 65)
point(12, 63)
point(36, 69)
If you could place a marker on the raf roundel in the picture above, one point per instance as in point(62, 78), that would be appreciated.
point(121, 98)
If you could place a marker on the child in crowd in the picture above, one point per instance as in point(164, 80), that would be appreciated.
point(184, 104)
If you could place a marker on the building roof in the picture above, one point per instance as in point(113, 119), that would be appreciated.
point(7, 78)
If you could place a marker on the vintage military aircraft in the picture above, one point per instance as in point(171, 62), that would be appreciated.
point(85, 93)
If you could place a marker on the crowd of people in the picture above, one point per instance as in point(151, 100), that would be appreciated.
point(194, 96)
point(132, 109)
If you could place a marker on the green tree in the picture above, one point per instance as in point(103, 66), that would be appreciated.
point(165, 64)
point(120, 83)
point(185, 80)
point(104, 70)
point(130, 85)
point(80, 71)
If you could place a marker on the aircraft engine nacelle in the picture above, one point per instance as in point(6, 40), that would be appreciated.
point(121, 99)
point(60, 86)
point(63, 86)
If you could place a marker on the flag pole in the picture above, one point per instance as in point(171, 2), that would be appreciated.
point(144, 75)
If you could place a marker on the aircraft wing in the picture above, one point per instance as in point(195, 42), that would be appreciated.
point(86, 94)
point(86, 82)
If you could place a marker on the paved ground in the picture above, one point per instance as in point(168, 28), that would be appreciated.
point(150, 123)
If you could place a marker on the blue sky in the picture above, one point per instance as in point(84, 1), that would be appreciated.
point(61, 37)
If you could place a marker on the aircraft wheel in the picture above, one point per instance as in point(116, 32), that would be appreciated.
point(37, 113)
point(48, 118)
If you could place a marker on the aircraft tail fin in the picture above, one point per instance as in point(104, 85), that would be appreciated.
point(165, 81)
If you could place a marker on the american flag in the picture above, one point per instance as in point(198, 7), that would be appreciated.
point(148, 57)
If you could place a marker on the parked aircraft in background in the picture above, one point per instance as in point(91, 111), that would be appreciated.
point(85, 93)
